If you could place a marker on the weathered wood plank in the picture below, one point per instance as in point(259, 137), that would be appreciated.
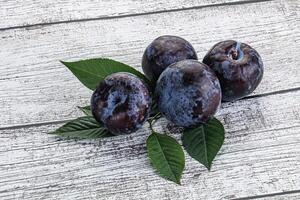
point(16, 13)
point(260, 156)
point(35, 87)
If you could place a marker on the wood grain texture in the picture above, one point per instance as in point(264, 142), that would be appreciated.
point(260, 156)
point(35, 87)
point(16, 13)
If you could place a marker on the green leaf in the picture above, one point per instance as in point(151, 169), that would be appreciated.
point(166, 156)
point(82, 128)
point(90, 72)
point(86, 110)
point(203, 142)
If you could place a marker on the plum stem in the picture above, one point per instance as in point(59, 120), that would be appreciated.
point(234, 52)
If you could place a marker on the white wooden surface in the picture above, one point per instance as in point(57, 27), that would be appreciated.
point(16, 13)
point(38, 88)
point(261, 154)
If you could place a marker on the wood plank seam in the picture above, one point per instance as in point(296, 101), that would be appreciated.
point(271, 93)
point(91, 142)
point(37, 25)
point(67, 120)
point(269, 195)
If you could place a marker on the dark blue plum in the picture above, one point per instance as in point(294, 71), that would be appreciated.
point(164, 51)
point(238, 66)
point(121, 102)
point(188, 93)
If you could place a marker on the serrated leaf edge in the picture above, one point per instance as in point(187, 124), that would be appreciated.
point(177, 180)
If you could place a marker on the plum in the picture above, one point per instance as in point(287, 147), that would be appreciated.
point(164, 51)
point(238, 66)
point(121, 102)
point(188, 93)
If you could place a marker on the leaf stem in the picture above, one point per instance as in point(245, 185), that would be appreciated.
point(153, 119)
